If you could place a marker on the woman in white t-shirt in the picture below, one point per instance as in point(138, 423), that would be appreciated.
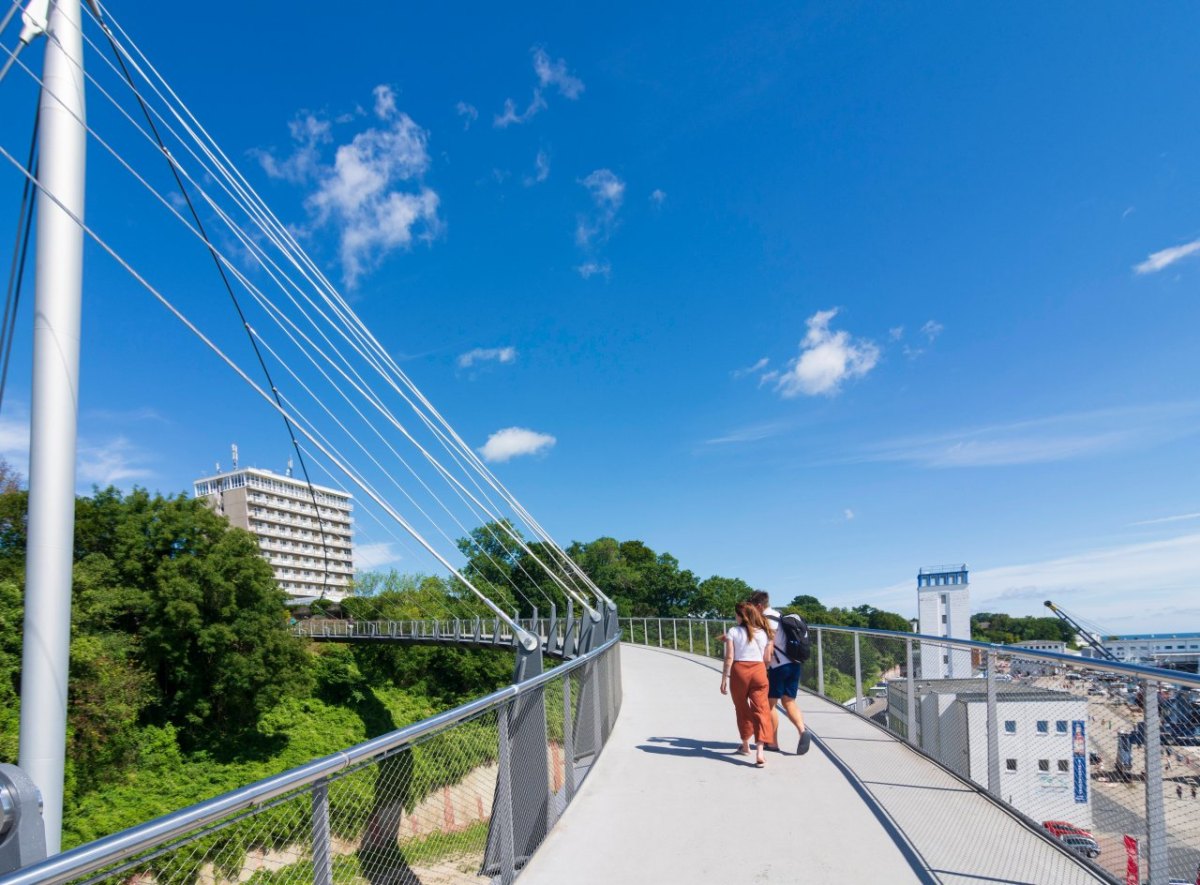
point(748, 647)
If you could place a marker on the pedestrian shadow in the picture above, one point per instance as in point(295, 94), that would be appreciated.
point(723, 751)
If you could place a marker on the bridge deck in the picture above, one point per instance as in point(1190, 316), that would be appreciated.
point(670, 802)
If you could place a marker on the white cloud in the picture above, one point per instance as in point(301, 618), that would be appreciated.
point(1166, 257)
point(109, 463)
point(485, 354)
point(512, 442)
point(658, 197)
point(468, 112)
point(754, 433)
point(826, 360)
point(932, 329)
point(509, 115)
point(750, 370)
point(608, 193)
point(368, 557)
point(848, 514)
point(372, 193)
point(1182, 517)
point(590, 269)
point(896, 333)
point(1057, 438)
point(541, 169)
point(555, 74)
point(308, 133)
point(385, 102)
point(1101, 582)
point(14, 441)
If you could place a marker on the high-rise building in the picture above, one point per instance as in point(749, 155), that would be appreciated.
point(944, 609)
point(309, 546)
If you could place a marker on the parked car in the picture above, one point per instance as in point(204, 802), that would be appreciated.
point(1084, 845)
point(1060, 828)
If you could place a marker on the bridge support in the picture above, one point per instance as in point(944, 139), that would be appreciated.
point(522, 800)
point(22, 834)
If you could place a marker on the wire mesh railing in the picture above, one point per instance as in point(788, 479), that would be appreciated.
point(471, 792)
point(1101, 757)
point(559, 637)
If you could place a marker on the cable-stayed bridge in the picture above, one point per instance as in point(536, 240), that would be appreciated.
point(617, 762)
point(620, 762)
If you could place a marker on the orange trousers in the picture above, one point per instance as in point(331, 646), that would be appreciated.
point(748, 687)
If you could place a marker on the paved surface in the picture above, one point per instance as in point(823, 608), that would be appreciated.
point(668, 802)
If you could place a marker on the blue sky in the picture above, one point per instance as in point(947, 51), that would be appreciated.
point(810, 296)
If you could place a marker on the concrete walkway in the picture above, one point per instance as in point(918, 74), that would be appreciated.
point(668, 802)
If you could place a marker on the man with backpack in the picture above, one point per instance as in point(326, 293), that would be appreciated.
point(783, 674)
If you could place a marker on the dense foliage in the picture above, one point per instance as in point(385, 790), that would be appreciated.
point(996, 627)
point(185, 680)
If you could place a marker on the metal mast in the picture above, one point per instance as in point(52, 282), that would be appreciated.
point(54, 409)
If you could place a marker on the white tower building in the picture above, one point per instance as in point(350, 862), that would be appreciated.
point(310, 548)
point(944, 609)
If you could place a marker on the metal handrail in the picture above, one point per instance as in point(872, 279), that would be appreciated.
point(123, 845)
point(1140, 671)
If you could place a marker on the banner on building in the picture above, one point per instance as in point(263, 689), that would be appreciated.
point(1079, 760)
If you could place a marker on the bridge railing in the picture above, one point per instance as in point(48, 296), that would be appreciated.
point(470, 792)
point(559, 637)
point(1107, 752)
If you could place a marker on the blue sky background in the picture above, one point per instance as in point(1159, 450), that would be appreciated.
point(809, 296)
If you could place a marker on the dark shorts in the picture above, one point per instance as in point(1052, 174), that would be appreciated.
point(783, 682)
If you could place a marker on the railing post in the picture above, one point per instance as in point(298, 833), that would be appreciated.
point(660, 644)
point(820, 663)
point(911, 688)
point(1156, 824)
point(691, 645)
point(568, 740)
point(674, 635)
point(858, 698)
point(321, 849)
point(502, 812)
point(645, 631)
point(993, 729)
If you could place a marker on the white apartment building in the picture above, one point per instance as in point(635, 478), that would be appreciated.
point(944, 609)
point(1042, 736)
point(309, 547)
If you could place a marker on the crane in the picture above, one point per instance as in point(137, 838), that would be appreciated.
point(1086, 635)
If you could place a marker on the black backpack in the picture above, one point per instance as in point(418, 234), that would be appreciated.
point(797, 646)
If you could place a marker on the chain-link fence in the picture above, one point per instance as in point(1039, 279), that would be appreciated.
point(466, 796)
point(1102, 756)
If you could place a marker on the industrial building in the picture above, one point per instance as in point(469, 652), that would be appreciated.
point(1042, 736)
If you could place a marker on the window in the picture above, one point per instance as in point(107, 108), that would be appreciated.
point(1043, 726)
point(945, 659)
point(943, 619)
point(1010, 764)
point(1010, 726)
point(1064, 765)
point(1043, 765)
point(1061, 726)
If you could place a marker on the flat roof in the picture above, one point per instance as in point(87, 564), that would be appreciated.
point(271, 474)
point(1143, 636)
point(975, 689)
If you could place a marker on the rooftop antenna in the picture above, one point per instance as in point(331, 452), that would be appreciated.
point(289, 467)
point(234, 448)
point(218, 467)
